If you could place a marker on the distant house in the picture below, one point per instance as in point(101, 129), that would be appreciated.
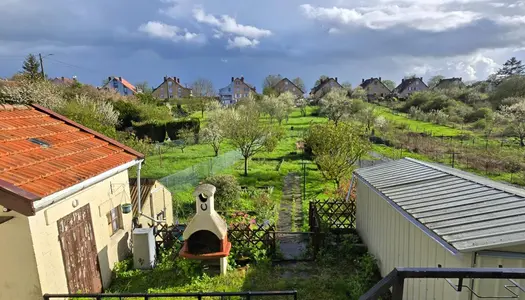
point(285, 85)
point(235, 91)
point(156, 202)
point(448, 83)
point(324, 86)
point(409, 86)
point(121, 85)
point(374, 88)
point(64, 203)
point(171, 88)
point(64, 81)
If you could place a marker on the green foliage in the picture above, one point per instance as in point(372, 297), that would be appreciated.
point(243, 127)
point(155, 131)
point(228, 191)
point(434, 80)
point(213, 133)
point(147, 98)
point(389, 84)
point(98, 116)
point(478, 114)
point(174, 127)
point(187, 137)
point(512, 67)
point(427, 101)
point(513, 86)
point(336, 148)
point(359, 93)
point(336, 106)
point(128, 111)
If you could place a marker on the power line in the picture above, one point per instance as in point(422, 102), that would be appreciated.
point(74, 66)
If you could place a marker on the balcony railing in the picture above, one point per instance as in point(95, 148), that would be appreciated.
point(396, 280)
point(199, 295)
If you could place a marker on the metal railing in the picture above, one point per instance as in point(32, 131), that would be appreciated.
point(396, 279)
point(198, 295)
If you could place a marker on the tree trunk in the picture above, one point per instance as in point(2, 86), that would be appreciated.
point(246, 166)
point(216, 151)
point(521, 141)
point(202, 113)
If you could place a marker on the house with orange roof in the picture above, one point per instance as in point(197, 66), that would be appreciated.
point(64, 204)
point(121, 85)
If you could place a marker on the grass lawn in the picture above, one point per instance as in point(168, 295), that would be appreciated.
point(419, 126)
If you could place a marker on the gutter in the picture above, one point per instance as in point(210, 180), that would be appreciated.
point(56, 197)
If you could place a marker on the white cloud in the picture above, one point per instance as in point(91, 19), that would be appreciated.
point(227, 24)
point(169, 32)
point(241, 42)
point(428, 16)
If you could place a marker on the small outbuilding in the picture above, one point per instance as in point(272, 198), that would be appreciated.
point(155, 201)
point(417, 214)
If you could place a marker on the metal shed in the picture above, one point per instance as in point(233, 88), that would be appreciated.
point(417, 214)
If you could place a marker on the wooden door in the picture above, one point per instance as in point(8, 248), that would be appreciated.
point(79, 252)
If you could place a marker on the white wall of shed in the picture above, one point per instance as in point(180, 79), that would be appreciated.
point(396, 242)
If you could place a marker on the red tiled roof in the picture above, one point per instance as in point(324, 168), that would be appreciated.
point(64, 153)
point(128, 85)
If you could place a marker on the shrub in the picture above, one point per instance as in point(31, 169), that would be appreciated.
point(480, 113)
point(128, 111)
point(438, 117)
point(228, 191)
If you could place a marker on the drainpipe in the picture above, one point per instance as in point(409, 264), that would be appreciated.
point(474, 259)
point(139, 198)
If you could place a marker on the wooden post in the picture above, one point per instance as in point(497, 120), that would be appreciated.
point(224, 265)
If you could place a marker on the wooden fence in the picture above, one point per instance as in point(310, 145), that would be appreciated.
point(333, 215)
point(244, 237)
point(249, 237)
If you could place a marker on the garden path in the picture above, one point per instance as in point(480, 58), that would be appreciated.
point(292, 244)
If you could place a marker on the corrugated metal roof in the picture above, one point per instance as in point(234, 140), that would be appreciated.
point(465, 211)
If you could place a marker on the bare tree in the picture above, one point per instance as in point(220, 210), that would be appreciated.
point(213, 132)
point(514, 115)
point(271, 80)
point(202, 87)
point(299, 83)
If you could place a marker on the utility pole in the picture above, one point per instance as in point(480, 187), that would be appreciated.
point(42, 66)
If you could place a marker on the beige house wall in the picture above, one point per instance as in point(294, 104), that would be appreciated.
point(18, 277)
point(159, 199)
point(101, 197)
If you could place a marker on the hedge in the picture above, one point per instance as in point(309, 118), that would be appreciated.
point(173, 127)
point(155, 131)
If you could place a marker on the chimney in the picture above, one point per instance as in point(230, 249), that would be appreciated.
point(403, 80)
point(336, 79)
point(379, 79)
point(109, 78)
point(178, 80)
point(62, 78)
point(242, 79)
point(460, 78)
point(362, 80)
point(120, 78)
point(233, 79)
point(165, 78)
point(421, 78)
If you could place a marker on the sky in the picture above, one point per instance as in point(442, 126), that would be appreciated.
point(145, 40)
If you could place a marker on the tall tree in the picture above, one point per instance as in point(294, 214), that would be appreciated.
point(347, 86)
point(318, 81)
point(31, 67)
point(411, 76)
point(336, 106)
point(213, 133)
point(359, 93)
point(512, 67)
point(514, 115)
point(336, 149)
point(249, 133)
point(434, 80)
point(143, 86)
point(202, 87)
point(299, 83)
point(271, 80)
point(390, 84)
